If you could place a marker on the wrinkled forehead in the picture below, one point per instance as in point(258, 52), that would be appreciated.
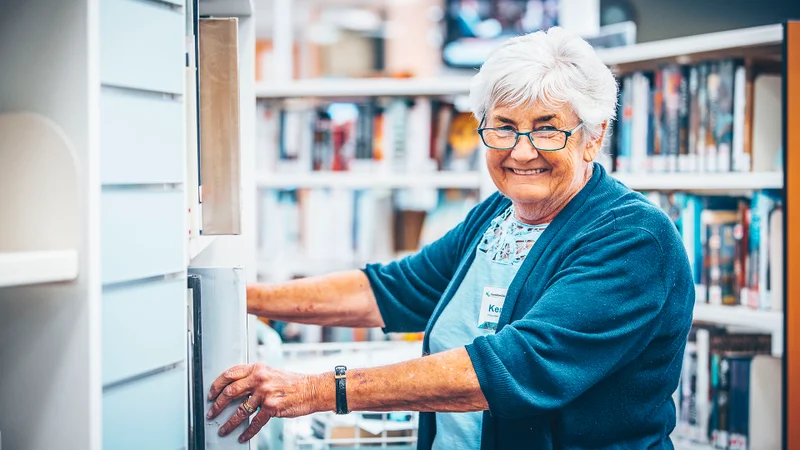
point(532, 111)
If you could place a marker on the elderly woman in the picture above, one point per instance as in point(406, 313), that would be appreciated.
point(555, 315)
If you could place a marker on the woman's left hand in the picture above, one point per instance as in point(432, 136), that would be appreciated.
point(274, 393)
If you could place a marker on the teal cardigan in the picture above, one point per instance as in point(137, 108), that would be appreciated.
point(589, 346)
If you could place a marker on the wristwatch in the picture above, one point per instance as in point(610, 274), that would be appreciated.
point(340, 374)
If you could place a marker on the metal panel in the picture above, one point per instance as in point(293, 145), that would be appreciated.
point(142, 234)
point(147, 414)
point(144, 328)
point(223, 310)
point(141, 138)
point(142, 45)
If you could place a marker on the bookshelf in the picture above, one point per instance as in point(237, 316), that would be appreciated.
point(740, 316)
point(198, 244)
point(34, 248)
point(372, 180)
point(705, 183)
point(49, 202)
point(227, 8)
point(24, 268)
point(776, 45)
point(306, 267)
point(763, 45)
point(368, 87)
point(685, 444)
point(93, 239)
point(744, 318)
point(763, 41)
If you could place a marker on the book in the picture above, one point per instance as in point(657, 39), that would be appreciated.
point(712, 116)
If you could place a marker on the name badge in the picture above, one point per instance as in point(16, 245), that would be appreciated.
point(491, 307)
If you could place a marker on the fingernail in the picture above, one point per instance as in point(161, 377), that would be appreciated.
point(221, 432)
point(241, 439)
point(208, 416)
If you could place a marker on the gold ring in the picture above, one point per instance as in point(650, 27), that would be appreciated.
point(248, 408)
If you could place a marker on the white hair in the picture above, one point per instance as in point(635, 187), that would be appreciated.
point(555, 68)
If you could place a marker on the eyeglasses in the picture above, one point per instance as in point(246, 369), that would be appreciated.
point(542, 140)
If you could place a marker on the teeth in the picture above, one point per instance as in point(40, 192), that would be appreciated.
point(529, 172)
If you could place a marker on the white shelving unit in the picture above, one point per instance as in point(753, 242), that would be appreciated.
point(227, 8)
point(80, 86)
point(740, 316)
point(50, 357)
point(278, 268)
point(367, 87)
point(374, 180)
point(679, 49)
point(236, 250)
point(685, 444)
point(744, 318)
point(198, 244)
point(24, 268)
point(683, 48)
point(765, 41)
point(702, 182)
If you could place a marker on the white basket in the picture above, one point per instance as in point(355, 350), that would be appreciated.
point(324, 431)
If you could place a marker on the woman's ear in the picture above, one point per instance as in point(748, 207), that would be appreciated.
point(593, 147)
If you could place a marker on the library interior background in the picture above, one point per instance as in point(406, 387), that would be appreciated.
point(158, 156)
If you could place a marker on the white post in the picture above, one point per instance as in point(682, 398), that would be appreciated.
point(580, 16)
point(282, 41)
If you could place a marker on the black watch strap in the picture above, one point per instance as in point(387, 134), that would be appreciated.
point(340, 374)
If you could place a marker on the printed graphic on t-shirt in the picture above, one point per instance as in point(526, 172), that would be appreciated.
point(508, 241)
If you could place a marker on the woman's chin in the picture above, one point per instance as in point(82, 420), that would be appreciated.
point(528, 193)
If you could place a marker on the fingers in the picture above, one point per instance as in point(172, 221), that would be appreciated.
point(228, 377)
point(233, 391)
point(238, 417)
point(258, 422)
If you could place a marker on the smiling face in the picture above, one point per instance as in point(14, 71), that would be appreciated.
point(540, 183)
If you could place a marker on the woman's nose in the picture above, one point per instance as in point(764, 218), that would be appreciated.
point(524, 150)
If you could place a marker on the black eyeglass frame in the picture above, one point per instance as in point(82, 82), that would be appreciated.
point(567, 134)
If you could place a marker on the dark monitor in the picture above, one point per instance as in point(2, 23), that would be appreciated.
point(473, 28)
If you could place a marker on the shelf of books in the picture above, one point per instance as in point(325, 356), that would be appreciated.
point(700, 132)
point(354, 171)
point(706, 183)
point(384, 176)
point(758, 41)
point(740, 316)
point(763, 42)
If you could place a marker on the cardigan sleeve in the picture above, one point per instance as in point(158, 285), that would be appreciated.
point(597, 314)
point(407, 290)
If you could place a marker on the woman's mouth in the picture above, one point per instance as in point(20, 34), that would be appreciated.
point(528, 172)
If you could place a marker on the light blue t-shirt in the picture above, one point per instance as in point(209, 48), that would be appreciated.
point(474, 309)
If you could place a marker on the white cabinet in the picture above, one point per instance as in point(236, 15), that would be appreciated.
point(93, 229)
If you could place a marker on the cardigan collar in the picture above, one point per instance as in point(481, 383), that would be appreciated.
point(553, 230)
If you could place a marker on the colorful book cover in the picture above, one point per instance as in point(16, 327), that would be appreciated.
point(723, 114)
